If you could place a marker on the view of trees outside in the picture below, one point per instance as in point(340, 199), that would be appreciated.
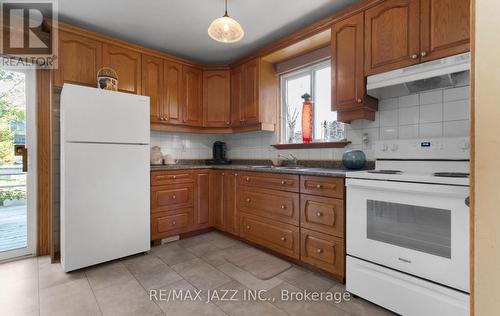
point(12, 131)
point(12, 114)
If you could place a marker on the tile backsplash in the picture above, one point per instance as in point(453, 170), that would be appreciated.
point(437, 113)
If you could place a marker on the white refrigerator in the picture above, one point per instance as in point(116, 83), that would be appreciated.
point(104, 176)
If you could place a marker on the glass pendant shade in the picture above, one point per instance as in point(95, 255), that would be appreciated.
point(225, 30)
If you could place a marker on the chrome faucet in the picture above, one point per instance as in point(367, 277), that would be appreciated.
point(291, 158)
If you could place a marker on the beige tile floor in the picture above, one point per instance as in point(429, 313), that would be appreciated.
point(35, 287)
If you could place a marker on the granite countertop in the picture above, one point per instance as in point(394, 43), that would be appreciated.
point(309, 171)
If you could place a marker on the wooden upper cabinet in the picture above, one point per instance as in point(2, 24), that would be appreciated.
point(127, 64)
point(172, 87)
point(392, 37)
point(237, 96)
point(444, 28)
point(79, 60)
point(192, 94)
point(251, 92)
point(216, 86)
point(349, 97)
point(152, 85)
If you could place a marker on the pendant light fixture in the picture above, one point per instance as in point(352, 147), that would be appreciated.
point(225, 29)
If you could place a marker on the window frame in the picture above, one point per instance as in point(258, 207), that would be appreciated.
point(310, 70)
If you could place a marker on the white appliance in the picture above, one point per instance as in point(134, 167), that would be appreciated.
point(407, 238)
point(104, 176)
point(446, 72)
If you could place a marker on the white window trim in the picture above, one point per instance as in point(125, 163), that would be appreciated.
point(309, 69)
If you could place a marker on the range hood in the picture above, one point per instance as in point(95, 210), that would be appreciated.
point(441, 73)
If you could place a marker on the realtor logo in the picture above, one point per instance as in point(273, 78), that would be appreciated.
point(29, 34)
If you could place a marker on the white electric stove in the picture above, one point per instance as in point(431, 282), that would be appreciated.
point(407, 234)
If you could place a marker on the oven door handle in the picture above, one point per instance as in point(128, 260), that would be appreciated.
point(432, 189)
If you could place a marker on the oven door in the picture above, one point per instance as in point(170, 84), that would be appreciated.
point(420, 229)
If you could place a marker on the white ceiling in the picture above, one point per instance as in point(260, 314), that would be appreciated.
point(180, 26)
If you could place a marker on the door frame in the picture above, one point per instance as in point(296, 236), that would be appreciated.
point(31, 175)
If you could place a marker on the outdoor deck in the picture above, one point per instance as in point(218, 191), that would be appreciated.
point(13, 232)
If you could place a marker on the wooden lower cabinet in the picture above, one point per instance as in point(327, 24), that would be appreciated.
point(277, 236)
point(171, 223)
point(301, 217)
point(323, 251)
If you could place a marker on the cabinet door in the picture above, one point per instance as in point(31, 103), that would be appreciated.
point(202, 199)
point(127, 64)
point(216, 85)
point(192, 86)
point(392, 37)
point(445, 28)
point(348, 79)
point(251, 92)
point(229, 203)
point(172, 105)
point(217, 215)
point(152, 85)
point(79, 60)
point(237, 96)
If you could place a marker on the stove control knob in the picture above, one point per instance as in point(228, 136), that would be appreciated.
point(394, 147)
point(384, 147)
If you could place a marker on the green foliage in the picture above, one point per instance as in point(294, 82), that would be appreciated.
point(12, 195)
point(9, 112)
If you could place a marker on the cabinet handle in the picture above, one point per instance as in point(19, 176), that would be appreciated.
point(319, 214)
point(283, 182)
point(283, 207)
point(248, 226)
point(223, 174)
point(227, 123)
point(319, 250)
point(174, 177)
point(318, 186)
point(248, 200)
point(174, 197)
point(247, 179)
point(173, 223)
point(423, 54)
point(235, 174)
point(283, 239)
point(414, 56)
point(359, 100)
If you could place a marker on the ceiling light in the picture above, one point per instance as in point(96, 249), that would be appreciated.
point(225, 29)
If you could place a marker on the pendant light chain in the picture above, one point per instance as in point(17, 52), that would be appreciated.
point(225, 8)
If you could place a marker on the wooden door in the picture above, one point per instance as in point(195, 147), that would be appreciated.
point(216, 86)
point(444, 27)
point(79, 60)
point(127, 64)
point(202, 199)
point(192, 94)
point(251, 92)
point(237, 96)
point(152, 85)
point(392, 38)
point(348, 80)
point(217, 215)
point(172, 104)
point(229, 203)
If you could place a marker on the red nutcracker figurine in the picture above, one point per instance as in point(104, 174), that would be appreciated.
point(307, 119)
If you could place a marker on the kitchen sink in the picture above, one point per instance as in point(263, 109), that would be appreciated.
point(279, 167)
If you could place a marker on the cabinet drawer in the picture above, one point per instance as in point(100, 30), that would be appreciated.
point(171, 177)
point(170, 197)
point(284, 182)
point(273, 204)
point(322, 214)
point(323, 251)
point(324, 186)
point(171, 224)
point(282, 238)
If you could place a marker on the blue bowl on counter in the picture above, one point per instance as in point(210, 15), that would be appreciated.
point(354, 159)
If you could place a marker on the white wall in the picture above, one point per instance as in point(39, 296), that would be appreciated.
point(438, 113)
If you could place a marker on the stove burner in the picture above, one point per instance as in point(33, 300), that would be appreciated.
point(385, 171)
point(451, 174)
